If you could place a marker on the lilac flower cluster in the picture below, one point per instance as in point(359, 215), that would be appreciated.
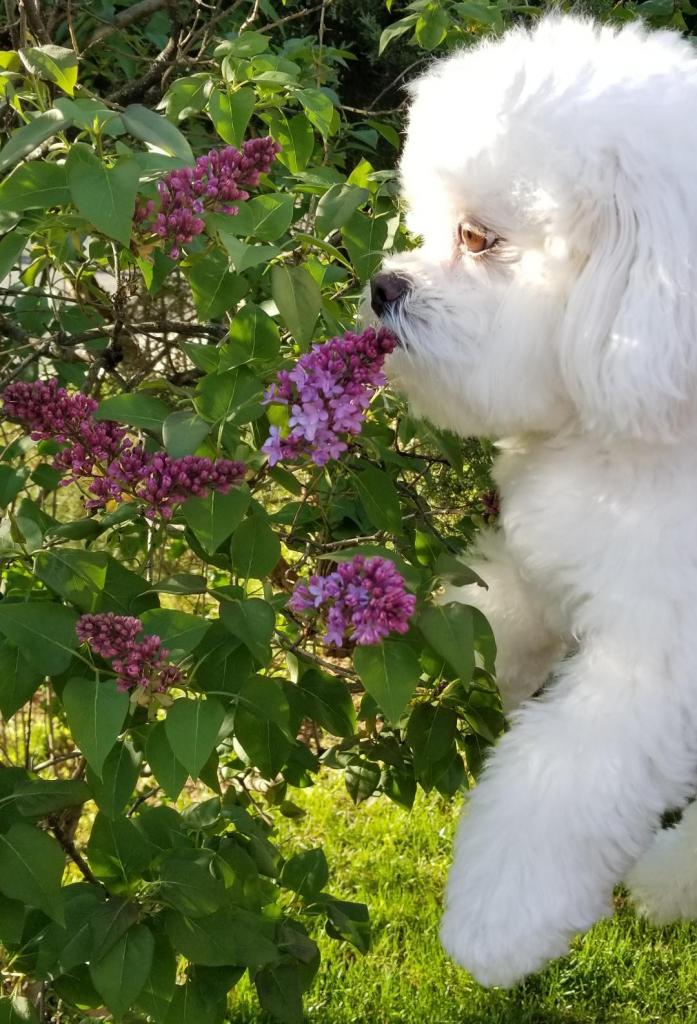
point(364, 600)
point(328, 392)
point(213, 184)
point(117, 468)
point(137, 663)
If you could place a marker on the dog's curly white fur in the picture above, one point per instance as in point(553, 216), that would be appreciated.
point(575, 337)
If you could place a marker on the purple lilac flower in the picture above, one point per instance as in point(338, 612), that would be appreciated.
point(364, 600)
point(327, 393)
point(213, 184)
point(137, 663)
point(115, 468)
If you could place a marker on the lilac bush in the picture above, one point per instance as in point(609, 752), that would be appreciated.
point(363, 601)
point(327, 393)
point(138, 663)
point(213, 184)
point(115, 467)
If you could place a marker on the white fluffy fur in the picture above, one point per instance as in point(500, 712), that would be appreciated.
point(576, 339)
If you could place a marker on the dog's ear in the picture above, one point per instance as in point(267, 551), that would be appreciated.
point(629, 337)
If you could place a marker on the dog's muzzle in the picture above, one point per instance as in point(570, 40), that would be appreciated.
point(386, 290)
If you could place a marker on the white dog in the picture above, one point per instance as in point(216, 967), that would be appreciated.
point(553, 305)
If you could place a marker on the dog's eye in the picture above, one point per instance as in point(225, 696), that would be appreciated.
point(474, 239)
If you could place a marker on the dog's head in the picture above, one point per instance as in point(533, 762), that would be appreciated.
point(551, 177)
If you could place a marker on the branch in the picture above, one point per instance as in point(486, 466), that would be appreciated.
point(135, 90)
point(298, 14)
point(72, 851)
point(35, 20)
point(126, 18)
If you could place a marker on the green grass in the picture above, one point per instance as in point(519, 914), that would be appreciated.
point(622, 971)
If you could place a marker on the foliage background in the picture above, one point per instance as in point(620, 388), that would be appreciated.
point(143, 875)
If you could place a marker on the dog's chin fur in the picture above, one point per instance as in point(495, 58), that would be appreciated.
point(577, 335)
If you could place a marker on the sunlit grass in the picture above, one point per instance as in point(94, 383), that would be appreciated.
point(622, 971)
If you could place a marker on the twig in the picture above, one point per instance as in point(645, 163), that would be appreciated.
point(75, 856)
point(293, 17)
point(252, 17)
point(56, 760)
point(128, 93)
point(35, 19)
point(393, 83)
point(126, 18)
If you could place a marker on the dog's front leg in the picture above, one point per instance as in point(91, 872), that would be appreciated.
point(527, 630)
point(569, 800)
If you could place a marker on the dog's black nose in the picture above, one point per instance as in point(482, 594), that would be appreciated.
point(386, 289)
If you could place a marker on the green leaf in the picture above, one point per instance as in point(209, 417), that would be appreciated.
point(30, 136)
point(119, 777)
point(244, 256)
point(253, 336)
point(181, 583)
point(255, 549)
point(31, 868)
point(296, 137)
point(34, 186)
point(306, 873)
point(44, 632)
point(122, 972)
point(180, 632)
point(379, 498)
point(350, 921)
point(182, 432)
point(214, 288)
point(362, 778)
point(265, 746)
point(17, 1010)
point(157, 992)
point(337, 205)
point(105, 196)
point(279, 988)
point(271, 216)
point(156, 132)
point(366, 238)
point(214, 518)
point(231, 397)
point(192, 728)
point(11, 248)
point(95, 711)
point(328, 702)
point(396, 30)
point(230, 936)
point(168, 771)
point(319, 109)
point(265, 698)
point(54, 64)
point(13, 915)
point(490, 14)
point(188, 884)
point(11, 480)
point(449, 631)
point(18, 680)
point(252, 621)
point(430, 733)
point(432, 27)
point(230, 113)
point(298, 299)
point(399, 786)
point(36, 797)
point(117, 852)
point(93, 581)
point(192, 1005)
point(136, 409)
point(390, 673)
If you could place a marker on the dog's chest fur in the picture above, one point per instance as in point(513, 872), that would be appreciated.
point(586, 521)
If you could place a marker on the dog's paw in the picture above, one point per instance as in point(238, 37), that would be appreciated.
point(663, 882)
point(496, 950)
